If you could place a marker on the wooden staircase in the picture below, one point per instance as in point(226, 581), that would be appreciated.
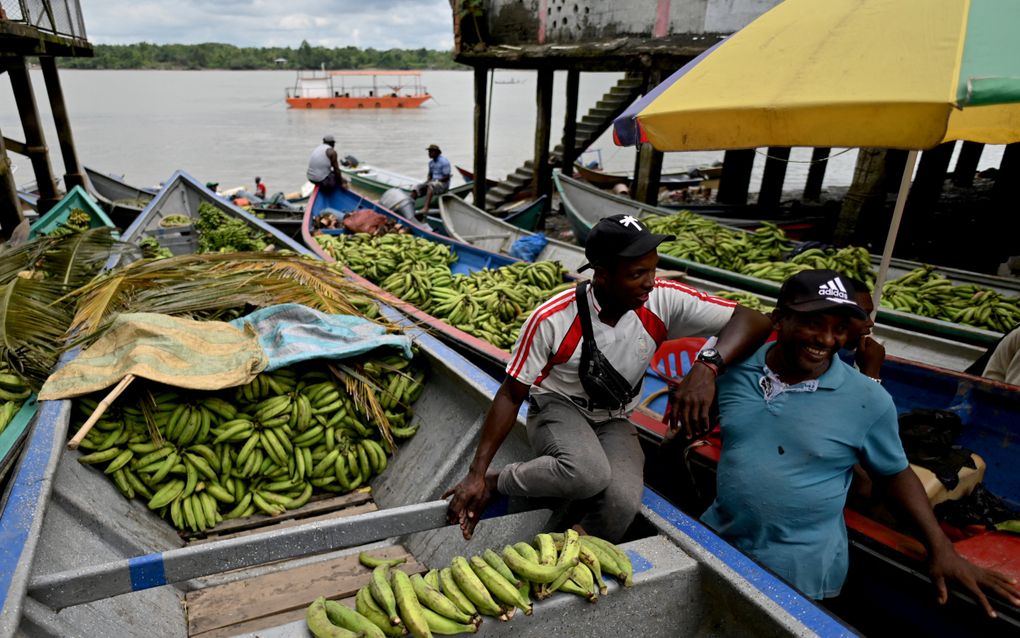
point(595, 122)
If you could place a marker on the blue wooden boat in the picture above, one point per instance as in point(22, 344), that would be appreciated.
point(58, 215)
point(79, 559)
point(469, 259)
point(181, 195)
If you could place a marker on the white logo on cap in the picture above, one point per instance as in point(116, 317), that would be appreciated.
point(833, 288)
point(628, 220)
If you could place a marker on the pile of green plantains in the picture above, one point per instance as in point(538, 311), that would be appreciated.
point(923, 291)
point(453, 600)
point(198, 458)
point(78, 221)
point(489, 304)
point(761, 253)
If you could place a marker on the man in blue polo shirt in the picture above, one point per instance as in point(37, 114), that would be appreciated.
point(795, 419)
point(438, 180)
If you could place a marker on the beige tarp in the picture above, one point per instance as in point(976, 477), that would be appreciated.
point(199, 355)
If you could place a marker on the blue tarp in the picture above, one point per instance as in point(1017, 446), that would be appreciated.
point(290, 333)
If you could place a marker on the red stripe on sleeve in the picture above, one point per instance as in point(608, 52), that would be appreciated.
point(653, 324)
point(542, 313)
point(694, 292)
point(566, 349)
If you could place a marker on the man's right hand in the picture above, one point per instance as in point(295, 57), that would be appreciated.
point(470, 497)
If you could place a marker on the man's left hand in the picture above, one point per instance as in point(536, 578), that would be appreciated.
point(690, 403)
point(946, 564)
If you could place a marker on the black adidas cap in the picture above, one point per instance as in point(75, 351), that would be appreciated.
point(815, 290)
point(619, 236)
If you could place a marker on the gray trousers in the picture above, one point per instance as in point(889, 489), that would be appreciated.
point(598, 463)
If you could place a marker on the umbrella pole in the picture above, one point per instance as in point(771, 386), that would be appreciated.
point(98, 412)
point(894, 228)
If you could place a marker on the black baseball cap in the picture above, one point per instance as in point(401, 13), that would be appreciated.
point(619, 236)
point(817, 290)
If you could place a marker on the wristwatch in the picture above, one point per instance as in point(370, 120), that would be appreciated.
point(712, 357)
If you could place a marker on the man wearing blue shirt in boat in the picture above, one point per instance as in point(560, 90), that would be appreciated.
point(438, 180)
point(586, 449)
point(794, 420)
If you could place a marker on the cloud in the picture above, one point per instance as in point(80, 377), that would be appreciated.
point(379, 24)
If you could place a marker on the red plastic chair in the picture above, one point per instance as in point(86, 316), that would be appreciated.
point(674, 358)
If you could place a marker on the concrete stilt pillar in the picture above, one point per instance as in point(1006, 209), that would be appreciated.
point(73, 174)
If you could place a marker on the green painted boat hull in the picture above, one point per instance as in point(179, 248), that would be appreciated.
point(58, 215)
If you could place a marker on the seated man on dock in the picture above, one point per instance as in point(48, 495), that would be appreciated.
point(437, 181)
point(586, 449)
point(795, 419)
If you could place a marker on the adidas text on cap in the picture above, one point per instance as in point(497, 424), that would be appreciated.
point(819, 290)
point(619, 236)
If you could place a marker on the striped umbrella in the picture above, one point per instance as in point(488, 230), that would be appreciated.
point(907, 74)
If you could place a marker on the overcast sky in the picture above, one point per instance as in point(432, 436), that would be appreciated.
point(379, 24)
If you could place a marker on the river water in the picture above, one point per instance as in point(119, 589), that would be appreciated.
point(229, 126)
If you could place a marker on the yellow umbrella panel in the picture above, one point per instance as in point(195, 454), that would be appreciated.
point(848, 73)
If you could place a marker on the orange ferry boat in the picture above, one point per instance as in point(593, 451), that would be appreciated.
point(357, 90)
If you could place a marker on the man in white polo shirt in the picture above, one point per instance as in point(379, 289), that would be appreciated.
point(586, 448)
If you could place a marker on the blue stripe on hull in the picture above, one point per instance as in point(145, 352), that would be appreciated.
point(147, 571)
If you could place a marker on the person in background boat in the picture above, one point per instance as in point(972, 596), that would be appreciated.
point(794, 420)
point(587, 453)
point(869, 353)
point(437, 181)
point(260, 188)
point(213, 186)
point(1004, 362)
point(323, 169)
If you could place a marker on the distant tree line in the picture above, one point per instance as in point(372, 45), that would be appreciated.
point(212, 55)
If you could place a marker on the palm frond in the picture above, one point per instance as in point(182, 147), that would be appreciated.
point(204, 285)
point(31, 325)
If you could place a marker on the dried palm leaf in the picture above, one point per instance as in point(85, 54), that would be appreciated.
point(203, 285)
point(32, 326)
point(362, 391)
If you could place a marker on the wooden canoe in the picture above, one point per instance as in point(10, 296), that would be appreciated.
point(121, 200)
point(181, 195)
point(372, 182)
point(469, 259)
point(474, 226)
point(79, 559)
point(76, 199)
point(524, 216)
point(585, 205)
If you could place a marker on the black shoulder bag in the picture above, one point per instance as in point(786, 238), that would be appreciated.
point(605, 387)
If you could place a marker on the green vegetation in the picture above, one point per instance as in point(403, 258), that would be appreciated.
point(212, 55)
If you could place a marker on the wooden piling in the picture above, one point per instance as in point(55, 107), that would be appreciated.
point(967, 164)
point(73, 175)
point(481, 146)
point(35, 140)
point(541, 183)
point(570, 123)
point(10, 207)
point(816, 174)
point(736, 177)
point(771, 191)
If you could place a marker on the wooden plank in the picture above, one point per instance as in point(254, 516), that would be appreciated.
point(317, 506)
point(266, 622)
point(275, 524)
point(284, 591)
